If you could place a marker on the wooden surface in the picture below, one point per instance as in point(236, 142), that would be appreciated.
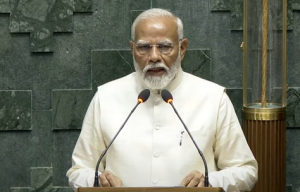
point(267, 140)
point(151, 189)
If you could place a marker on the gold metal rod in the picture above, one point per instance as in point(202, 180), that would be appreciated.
point(245, 54)
point(264, 51)
point(284, 52)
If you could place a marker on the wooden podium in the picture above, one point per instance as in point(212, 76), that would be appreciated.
point(150, 189)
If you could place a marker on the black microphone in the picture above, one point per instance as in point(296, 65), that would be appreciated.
point(143, 97)
point(168, 98)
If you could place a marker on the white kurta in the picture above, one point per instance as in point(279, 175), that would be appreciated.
point(154, 149)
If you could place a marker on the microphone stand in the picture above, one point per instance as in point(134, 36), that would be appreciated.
point(206, 182)
point(96, 182)
point(142, 97)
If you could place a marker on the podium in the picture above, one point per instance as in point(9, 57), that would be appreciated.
point(150, 189)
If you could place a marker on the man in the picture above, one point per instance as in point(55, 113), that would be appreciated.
point(153, 149)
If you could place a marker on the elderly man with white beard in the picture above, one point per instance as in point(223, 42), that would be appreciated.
point(154, 149)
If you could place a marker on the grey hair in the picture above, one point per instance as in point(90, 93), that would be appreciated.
point(154, 13)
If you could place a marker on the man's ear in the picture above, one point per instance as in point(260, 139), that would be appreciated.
point(183, 47)
point(131, 46)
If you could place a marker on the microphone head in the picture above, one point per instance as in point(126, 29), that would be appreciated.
point(143, 96)
point(167, 96)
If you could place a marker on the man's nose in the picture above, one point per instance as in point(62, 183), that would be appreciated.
point(155, 55)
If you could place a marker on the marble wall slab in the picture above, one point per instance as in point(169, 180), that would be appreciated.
point(41, 180)
point(289, 188)
point(236, 9)
point(108, 65)
point(292, 159)
point(41, 18)
point(199, 63)
point(220, 5)
point(20, 189)
point(293, 108)
point(83, 6)
point(296, 5)
point(293, 50)
point(61, 189)
point(21, 150)
point(62, 146)
point(134, 14)
point(15, 110)
point(69, 108)
point(29, 189)
point(4, 6)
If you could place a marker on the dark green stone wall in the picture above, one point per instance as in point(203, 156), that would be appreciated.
point(54, 53)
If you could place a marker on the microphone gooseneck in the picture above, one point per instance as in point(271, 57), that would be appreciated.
point(142, 97)
point(168, 98)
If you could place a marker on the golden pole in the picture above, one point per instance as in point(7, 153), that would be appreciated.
point(245, 54)
point(284, 58)
point(264, 52)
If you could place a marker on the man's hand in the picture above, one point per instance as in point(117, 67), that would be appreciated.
point(194, 179)
point(107, 179)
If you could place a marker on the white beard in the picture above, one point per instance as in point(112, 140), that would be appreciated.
point(158, 82)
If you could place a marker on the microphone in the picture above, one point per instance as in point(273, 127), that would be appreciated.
point(142, 97)
point(168, 98)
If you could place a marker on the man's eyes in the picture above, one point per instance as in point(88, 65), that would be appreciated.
point(145, 46)
point(164, 46)
point(149, 46)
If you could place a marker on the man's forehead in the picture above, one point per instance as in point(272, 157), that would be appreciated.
point(157, 25)
point(164, 27)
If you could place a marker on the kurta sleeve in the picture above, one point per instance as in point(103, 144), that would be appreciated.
point(88, 149)
point(234, 159)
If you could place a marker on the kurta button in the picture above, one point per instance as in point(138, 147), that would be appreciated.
point(154, 180)
point(156, 154)
point(157, 127)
